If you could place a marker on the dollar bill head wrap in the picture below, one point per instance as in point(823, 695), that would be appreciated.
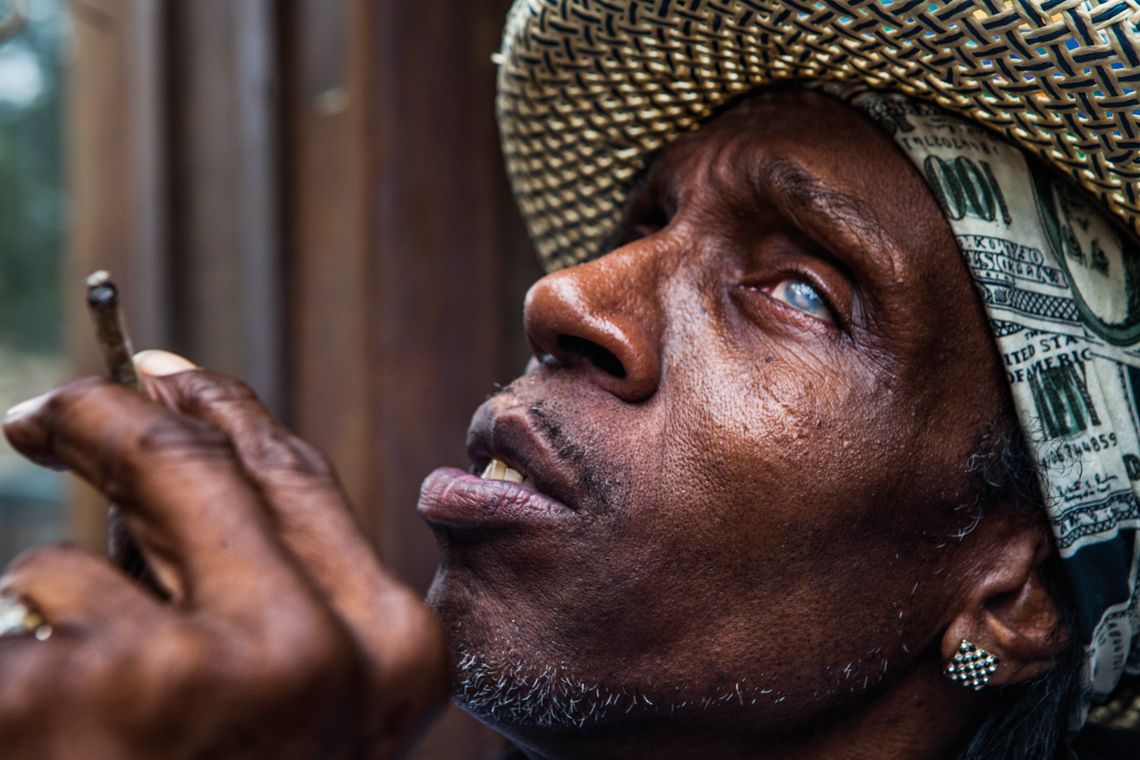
point(1060, 282)
point(589, 90)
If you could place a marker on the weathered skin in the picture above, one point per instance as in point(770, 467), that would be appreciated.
point(284, 636)
point(761, 505)
point(779, 492)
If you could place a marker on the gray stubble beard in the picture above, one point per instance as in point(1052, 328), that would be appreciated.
point(517, 694)
point(513, 694)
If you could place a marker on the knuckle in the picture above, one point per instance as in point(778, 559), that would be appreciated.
point(279, 451)
point(177, 433)
point(164, 440)
point(177, 437)
point(316, 655)
point(199, 392)
point(205, 389)
point(173, 667)
point(262, 443)
point(202, 394)
point(311, 459)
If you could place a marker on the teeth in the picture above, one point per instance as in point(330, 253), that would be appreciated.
point(497, 470)
point(494, 470)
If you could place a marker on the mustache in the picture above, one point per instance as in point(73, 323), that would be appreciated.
point(597, 475)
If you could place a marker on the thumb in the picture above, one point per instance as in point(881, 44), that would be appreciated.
point(157, 363)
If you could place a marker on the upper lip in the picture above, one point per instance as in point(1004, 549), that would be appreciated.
point(509, 435)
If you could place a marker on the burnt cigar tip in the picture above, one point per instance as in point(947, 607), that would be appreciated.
point(103, 296)
point(101, 292)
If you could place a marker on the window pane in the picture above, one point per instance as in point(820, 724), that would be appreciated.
point(31, 257)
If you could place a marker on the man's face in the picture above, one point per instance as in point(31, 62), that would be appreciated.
point(749, 426)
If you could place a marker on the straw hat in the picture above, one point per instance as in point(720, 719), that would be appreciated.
point(590, 89)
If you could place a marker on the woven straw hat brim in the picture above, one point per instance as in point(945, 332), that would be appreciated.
point(589, 90)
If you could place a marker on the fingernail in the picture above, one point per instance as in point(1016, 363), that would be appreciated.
point(25, 408)
point(159, 363)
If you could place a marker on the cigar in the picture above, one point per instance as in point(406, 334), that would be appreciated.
point(115, 344)
point(103, 302)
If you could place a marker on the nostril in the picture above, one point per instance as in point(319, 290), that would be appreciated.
point(600, 357)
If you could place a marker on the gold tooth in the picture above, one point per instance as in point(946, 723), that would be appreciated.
point(494, 470)
point(499, 470)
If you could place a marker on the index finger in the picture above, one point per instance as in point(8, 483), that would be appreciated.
point(196, 518)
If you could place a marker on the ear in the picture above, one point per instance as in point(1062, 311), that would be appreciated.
point(1005, 609)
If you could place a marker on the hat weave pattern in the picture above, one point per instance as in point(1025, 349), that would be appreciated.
point(589, 90)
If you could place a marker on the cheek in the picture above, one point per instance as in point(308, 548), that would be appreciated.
point(775, 438)
point(765, 475)
point(781, 440)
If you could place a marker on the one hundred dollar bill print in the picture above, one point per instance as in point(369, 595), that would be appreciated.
point(1061, 287)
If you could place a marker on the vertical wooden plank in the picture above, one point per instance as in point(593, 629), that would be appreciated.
point(433, 212)
point(116, 173)
point(407, 260)
point(328, 289)
point(225, 157)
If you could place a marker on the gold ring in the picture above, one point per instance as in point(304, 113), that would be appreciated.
point(17, 618)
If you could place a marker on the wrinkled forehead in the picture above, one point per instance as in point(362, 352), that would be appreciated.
point(799, 121)
point(817, 160)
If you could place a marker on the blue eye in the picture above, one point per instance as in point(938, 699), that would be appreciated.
point(801, 295)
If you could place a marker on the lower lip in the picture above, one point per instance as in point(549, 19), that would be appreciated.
point(455, 499)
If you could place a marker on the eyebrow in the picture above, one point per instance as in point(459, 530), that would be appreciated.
point(831, 217)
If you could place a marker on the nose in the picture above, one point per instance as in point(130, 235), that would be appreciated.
point(601, 319)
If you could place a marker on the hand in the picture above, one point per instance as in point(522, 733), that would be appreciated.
point(282, 635)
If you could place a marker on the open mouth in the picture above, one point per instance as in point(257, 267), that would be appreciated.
point(519, 476)
point(515, 479)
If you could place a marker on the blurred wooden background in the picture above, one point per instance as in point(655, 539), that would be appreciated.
point(309, 194)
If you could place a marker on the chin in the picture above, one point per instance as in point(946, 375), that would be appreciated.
point(549, 697)
point(501, 679)
point(526, 683)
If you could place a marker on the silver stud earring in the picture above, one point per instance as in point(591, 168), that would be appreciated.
point(971, 666)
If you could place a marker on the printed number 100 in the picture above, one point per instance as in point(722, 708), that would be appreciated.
point(965, 188)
